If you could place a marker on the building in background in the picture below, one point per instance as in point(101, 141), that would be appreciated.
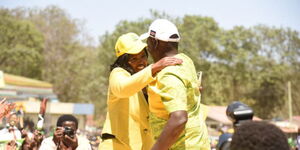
point(27, 94)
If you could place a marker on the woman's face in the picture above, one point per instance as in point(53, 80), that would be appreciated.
point(138, 61)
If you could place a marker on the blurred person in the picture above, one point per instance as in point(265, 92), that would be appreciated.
point(28, 130)
point(238, 113)
point(10, 136)
point(11, 145)
point(174, 96)
point(254, 135)
point(29, 144)
point(38, 138)
point(65, 137)
point(32, 142)
point(126, 126)
point(11, 132)
point(94, 141)
point(34, 137)
point(224, 141)
point(298, 140)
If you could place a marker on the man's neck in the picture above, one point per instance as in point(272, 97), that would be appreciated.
point(167, 54)
point(171, 53)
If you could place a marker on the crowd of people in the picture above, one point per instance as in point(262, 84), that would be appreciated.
point(64, 137)
point(149, 106)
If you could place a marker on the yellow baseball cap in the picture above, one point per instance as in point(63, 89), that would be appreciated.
point(129, 43)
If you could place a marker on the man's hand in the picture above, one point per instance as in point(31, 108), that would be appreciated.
point(165, 62)
point(38, 137)
point(70, 142)
point(64, 141)
point(58, 134)
point(12, 145)
point(172, 130)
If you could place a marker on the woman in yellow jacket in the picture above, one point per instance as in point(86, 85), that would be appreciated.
point(126, 126)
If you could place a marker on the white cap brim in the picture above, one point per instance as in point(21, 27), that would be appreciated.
point(144, 36)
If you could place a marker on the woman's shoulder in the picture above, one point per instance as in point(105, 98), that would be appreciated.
point(119, 71)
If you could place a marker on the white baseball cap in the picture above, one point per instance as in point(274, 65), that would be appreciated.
point(162, 29)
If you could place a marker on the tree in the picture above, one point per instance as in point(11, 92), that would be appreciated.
point(21, 46)
point(68, 63)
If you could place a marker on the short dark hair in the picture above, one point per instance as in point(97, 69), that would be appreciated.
point(258, 135)
point(64, 118)
point(174, 44)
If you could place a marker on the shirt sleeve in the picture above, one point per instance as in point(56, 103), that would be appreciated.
point(173, 92)
point(48, 144)
point(83, 144)
point(123, 85)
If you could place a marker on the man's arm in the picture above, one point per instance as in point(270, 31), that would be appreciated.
point(172, 130)
point(174, 97)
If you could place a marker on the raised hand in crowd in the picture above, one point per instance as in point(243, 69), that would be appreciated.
point(32, 142)
point(38, 137)
point(5, 108)
point(12, 145)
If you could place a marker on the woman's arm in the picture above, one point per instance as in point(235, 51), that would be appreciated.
point(122, 84)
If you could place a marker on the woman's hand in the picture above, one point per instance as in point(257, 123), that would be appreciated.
point(165, 62)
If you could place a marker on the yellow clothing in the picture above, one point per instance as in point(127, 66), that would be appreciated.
point(127, 111)
point(176, 88)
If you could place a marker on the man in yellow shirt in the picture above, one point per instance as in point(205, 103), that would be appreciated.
point(174, 101)
point(126, 126)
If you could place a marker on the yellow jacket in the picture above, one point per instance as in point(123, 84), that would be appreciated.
point(127, 111)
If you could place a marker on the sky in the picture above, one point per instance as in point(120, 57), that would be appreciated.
point(101, 16)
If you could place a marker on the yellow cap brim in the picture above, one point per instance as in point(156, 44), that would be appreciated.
point(139, 46)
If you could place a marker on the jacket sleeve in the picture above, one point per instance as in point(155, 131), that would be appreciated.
point(123, 85)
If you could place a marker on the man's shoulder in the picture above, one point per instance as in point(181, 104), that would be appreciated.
point(48, 144)
point(4, 130)
point(177, 70)
point(48, 140)
point(82, 138)
point(182, 56)
point(83, 143)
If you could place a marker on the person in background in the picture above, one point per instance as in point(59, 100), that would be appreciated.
point(11, 132)
point(298, 140)
point(126, 126)
point(258, 135)
point(33, 142)
point(174, 97)
point(65, 137)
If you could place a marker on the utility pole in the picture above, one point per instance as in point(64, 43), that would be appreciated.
point(290, 101)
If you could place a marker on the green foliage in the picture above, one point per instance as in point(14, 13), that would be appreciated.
point(21, 46)
point(71, 66)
